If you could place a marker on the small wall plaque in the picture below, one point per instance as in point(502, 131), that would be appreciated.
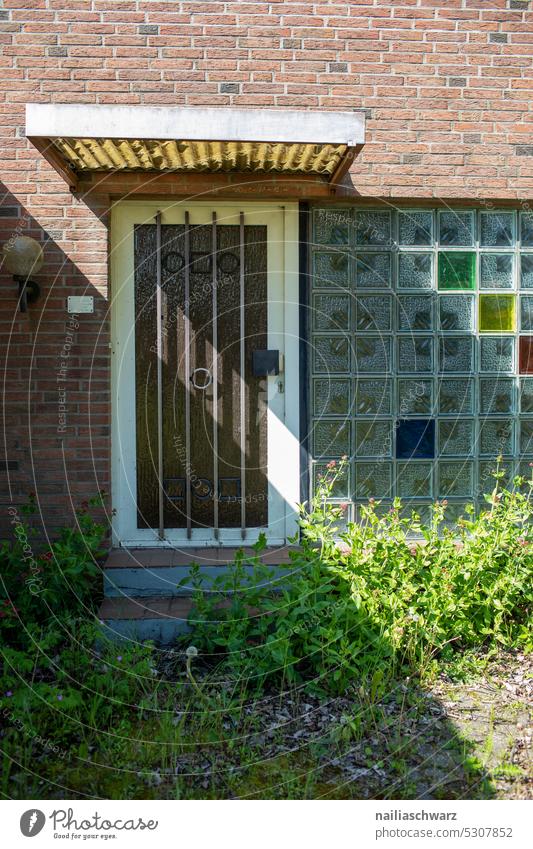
point(80, 303)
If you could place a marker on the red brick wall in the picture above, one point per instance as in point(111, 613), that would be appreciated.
point(447, 88)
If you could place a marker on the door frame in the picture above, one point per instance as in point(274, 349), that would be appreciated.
point(283, 423)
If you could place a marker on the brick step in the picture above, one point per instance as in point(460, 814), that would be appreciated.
point(149, 618)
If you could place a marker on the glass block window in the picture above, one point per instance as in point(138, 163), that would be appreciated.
point(421, 351)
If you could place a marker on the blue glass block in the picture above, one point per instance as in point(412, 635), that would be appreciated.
point(331, 438)
point(495, 437)
point(496, 271)
point(415, 354)
point(373, 397)
point(373, 312)
point(331, 397)
point(415, 271)
point(456, 438)
point(372, 354)
point(331, 312)
point(496, 395)
point(415, 312)
point(341, 483)
point(373, 228)
point(373, 480)
point(526, 271)
point(415, 227)
point(496, 229)
point(526, 312)
point(526, 229)
point(456, 354)
point(414, 480)
point(331, 354)
point(526, 395)
point(331, 268)
point(497, 354)
point(456, 312)
point(373, 439)
point(456, 395)
point(415, 397)
point(456, 228)
point(373, 271)
point(331, 226)
point(526, 436)
point(456, 479)
point(415, 439)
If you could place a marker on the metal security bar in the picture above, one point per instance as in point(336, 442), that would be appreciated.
point(215, 374)
point(159, 346)
point(188, 499)
point(243, 377)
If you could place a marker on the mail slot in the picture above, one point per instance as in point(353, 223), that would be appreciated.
point(265, 362)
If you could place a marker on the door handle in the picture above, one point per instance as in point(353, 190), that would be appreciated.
point(207, 382)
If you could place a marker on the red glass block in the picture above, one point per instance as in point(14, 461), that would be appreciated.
point(525, 354)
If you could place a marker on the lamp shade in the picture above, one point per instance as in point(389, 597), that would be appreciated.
point(22, 256)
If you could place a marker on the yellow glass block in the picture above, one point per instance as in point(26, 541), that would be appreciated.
point(497, 313)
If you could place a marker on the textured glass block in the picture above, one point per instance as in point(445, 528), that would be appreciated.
point(496, 229)
point(331, 354)
point(341, 482)
point(415, 354)
point(415, 227)
point(456, 354)
point(372, 354)
point(373, 271)
point(496, 312)
point(456, 228)
point(525, 354)
point(457, 270)
point(331, 268)
point(496, 396)
point(331, 438)
point(495, 437)
point(373, 397)
point(373, 312)
point(331, 397)
point(373, 439)
point(526, 271)
point(331, 226)
point(331, 312)
point(422, 513)
point(415, 396)
point(373, 480)
point(496, 271)
point(526, 436)
point(415, 439)
point(456, 479)
point(497, 354)
point(525, 470)
point(454, 511)
point(415, 271)
point(526, 229)
point(526, 312)
point(415, 312)
point(456, 396)
point(456, 312)
point(373, 228)
point(526, 395)
point(414, 480)
point(456, 438)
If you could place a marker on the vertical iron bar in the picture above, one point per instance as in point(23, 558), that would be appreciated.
point(159, 345)
point(215, 375)
point(243, 377)
point(187, 376)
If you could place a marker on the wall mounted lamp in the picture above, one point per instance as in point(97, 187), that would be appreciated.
point(23, 256)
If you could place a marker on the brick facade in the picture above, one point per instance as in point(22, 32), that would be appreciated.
point(447, 88)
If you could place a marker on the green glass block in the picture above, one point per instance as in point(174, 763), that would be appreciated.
point(456, 312)
point(331, 354)
point(456, 354)
point(496, 229)
point(526, 271)
point(415, 354)
point(373, 480)
point(373, 228)
point(456, 479)
point(456, 438)
point(373, 312)
point(526, 229)
point(415, 227)
point(414, 480)
point(331, 438)
point(526, 436)
point(456, 396)
point(495, 437)
point(331, 312)
point(497, 354)
point(372, 354)
point(415, 396)
point(496, 313)
point(415, 271)
point(373, 439)
point(496, 271)
point(457, 270)
point(373, 397)
point(496, 396)
point(456, 228)
point(341, 483)
point(415, 312)
point(526, 312)
point(373, 271)
point(331, 397)
point(486, 479)
point(525, 470)
point(331, 226)
point(526, 395)
point(331, 268)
